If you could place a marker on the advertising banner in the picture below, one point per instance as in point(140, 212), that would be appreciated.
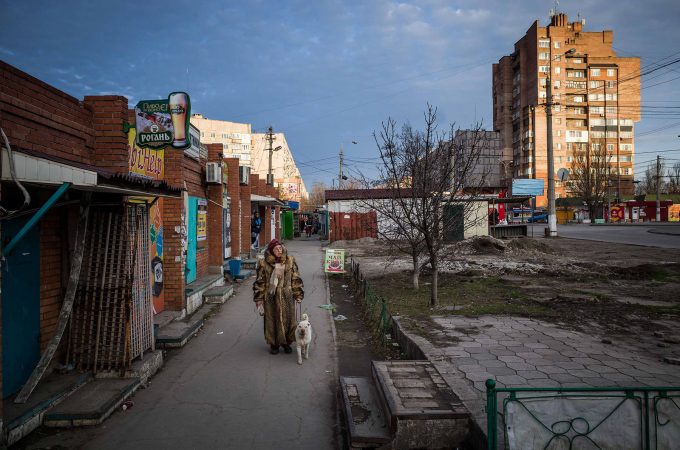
point(527, 186)
point(161, 123)
point(144, 162)
point(202, 221)
point(334, 262)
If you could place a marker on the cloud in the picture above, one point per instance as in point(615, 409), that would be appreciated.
point(5, 51)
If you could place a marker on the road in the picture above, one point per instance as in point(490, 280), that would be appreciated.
point(224, 390)
point(662, 235)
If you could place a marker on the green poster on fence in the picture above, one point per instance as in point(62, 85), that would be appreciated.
point(334, 261)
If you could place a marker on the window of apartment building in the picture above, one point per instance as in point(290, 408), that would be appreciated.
point(625, 171)
point(557, 96)
point(575, 74)
point(543, 82)
point(577, 123)
point(544, 69)
point(557, 108)
point(594, 72)
point(611, 97)
point(578, 110)
point(594, 84)
point(626, 147)
point(626, 122)
point(574, 133)
point(225, 146)
point(626, 158)
point(544, 43)
point(611, 109)
point(558, 58)
point(611, 72)
point(596, 147)
point(576, 60)
point(558, 159)
point(212, 135)
point(557, 44)
point(578, 99)
point(544, 55)
point(597, 110)
point(559, 147)
point(558, 70)
point(611, 84)
point(557, 84)
point(610, 147)
point(224, 135)
point(570, 159)
point(542, 94)
point(596, 134)
point(595, 97)
point(202, 133)
point(596, 122)
point(558, 133)
point(558, 120)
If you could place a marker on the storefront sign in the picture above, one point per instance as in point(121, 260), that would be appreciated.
point(202, 220)
point(144, 162)
point(164, 122)
point(334, 261)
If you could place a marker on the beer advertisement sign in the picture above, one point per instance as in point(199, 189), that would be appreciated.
point(144, 162)
point(334, 261)
point(161, 123)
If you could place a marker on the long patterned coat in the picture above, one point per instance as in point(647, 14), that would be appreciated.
point(279, 308)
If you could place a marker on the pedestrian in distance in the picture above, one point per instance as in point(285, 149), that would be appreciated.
point(255, 228)
point(308, 226)
point(277, 290)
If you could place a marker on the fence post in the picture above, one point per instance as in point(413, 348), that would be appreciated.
point(491, 410)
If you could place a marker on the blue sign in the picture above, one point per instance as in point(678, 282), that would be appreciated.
point(527, 186)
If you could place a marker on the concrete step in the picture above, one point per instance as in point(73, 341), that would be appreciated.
point(91, 404)
point(366, 422)
point(22, 418)
point(143, 368)
point(177, 333)
point(218, 294)
point(249, 263)
point(420, 408)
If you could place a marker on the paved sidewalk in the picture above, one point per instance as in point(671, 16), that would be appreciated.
point(224, 389)
point(522, 352)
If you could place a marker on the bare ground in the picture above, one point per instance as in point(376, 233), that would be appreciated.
point(595, 286)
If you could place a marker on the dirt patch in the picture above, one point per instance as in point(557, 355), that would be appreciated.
point(578, 284)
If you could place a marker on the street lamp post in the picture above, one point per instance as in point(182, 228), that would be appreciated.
point(340, 175)
point(552, 216)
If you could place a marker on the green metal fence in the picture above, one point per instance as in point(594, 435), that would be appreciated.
point(627, 417)
point(375, 307)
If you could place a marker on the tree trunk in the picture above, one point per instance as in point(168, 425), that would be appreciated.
point(416, 273)
point(434, 293)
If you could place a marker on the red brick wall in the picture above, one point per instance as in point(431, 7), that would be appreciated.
point(234, 193)
point(215, 212)
point(245, 219)
point(173, 269)
point(109, 113)
point(39, 117)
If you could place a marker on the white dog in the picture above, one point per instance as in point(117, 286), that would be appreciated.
point(303, 337)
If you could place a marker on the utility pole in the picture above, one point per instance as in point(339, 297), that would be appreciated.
point(270, 140)
point(658, 188)
point(552, 218)
point(340, 173)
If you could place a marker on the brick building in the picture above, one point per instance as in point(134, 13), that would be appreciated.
point(150, 228)
point(595, 94)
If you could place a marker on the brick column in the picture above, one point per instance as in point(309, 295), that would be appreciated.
point(245, 218)
point(109, 113)
point(234, 193)
point(173, 267)
point(215, 214)
point(277, 211)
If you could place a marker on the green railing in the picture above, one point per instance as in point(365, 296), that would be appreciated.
point(375, 307)
point(611, 417)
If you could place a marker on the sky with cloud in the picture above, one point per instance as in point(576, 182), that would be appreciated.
point(325, 72)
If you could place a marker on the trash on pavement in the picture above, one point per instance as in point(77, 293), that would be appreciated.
point(220, 332)
point(328, 306)
point(127, 404)
point(339, 317)
point(344, 286)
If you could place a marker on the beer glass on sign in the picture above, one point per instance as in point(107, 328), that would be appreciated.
point(179, 102)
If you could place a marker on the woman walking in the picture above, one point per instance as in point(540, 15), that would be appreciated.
point(277, 288)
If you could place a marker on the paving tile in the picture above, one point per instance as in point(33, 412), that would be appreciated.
point(501, 371)
point(531, 374)
point(573, 354)
point(511, 359)
point(616, 364)
point(569, 365)
point(462, 361)
point(521, 366)
point(475, 350)
point(536, 345)
point(541, 362)
point(469, 344)
point(478, 376)
point(598, 382)
point(585, 361)
point(620, 377)
point(492, 363)
point(633, 372)
point(484, 356)
point(528, 355)
point(551, 369)
point(512, 380)
point(501, 351)
point(456, 351)
point(510, 343)
point(472, 368)
point(602, 369)
point(564, 378)
point(582, 373)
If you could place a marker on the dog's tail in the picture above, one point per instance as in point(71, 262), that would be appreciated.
point(305, 317)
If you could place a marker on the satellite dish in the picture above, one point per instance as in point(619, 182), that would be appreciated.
point(563, 175)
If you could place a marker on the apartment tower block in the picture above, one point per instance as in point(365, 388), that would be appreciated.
point(595, 98)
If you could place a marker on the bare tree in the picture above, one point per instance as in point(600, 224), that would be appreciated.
point(590, 176)
point(649, 179)
point(316, 197)
point(674, 179)
point(430, 182)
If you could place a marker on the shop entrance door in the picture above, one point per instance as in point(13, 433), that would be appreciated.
point(190, 269)
point(20, 306)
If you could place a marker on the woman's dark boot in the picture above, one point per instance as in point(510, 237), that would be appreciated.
point(274, 349)
point(287, 349)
